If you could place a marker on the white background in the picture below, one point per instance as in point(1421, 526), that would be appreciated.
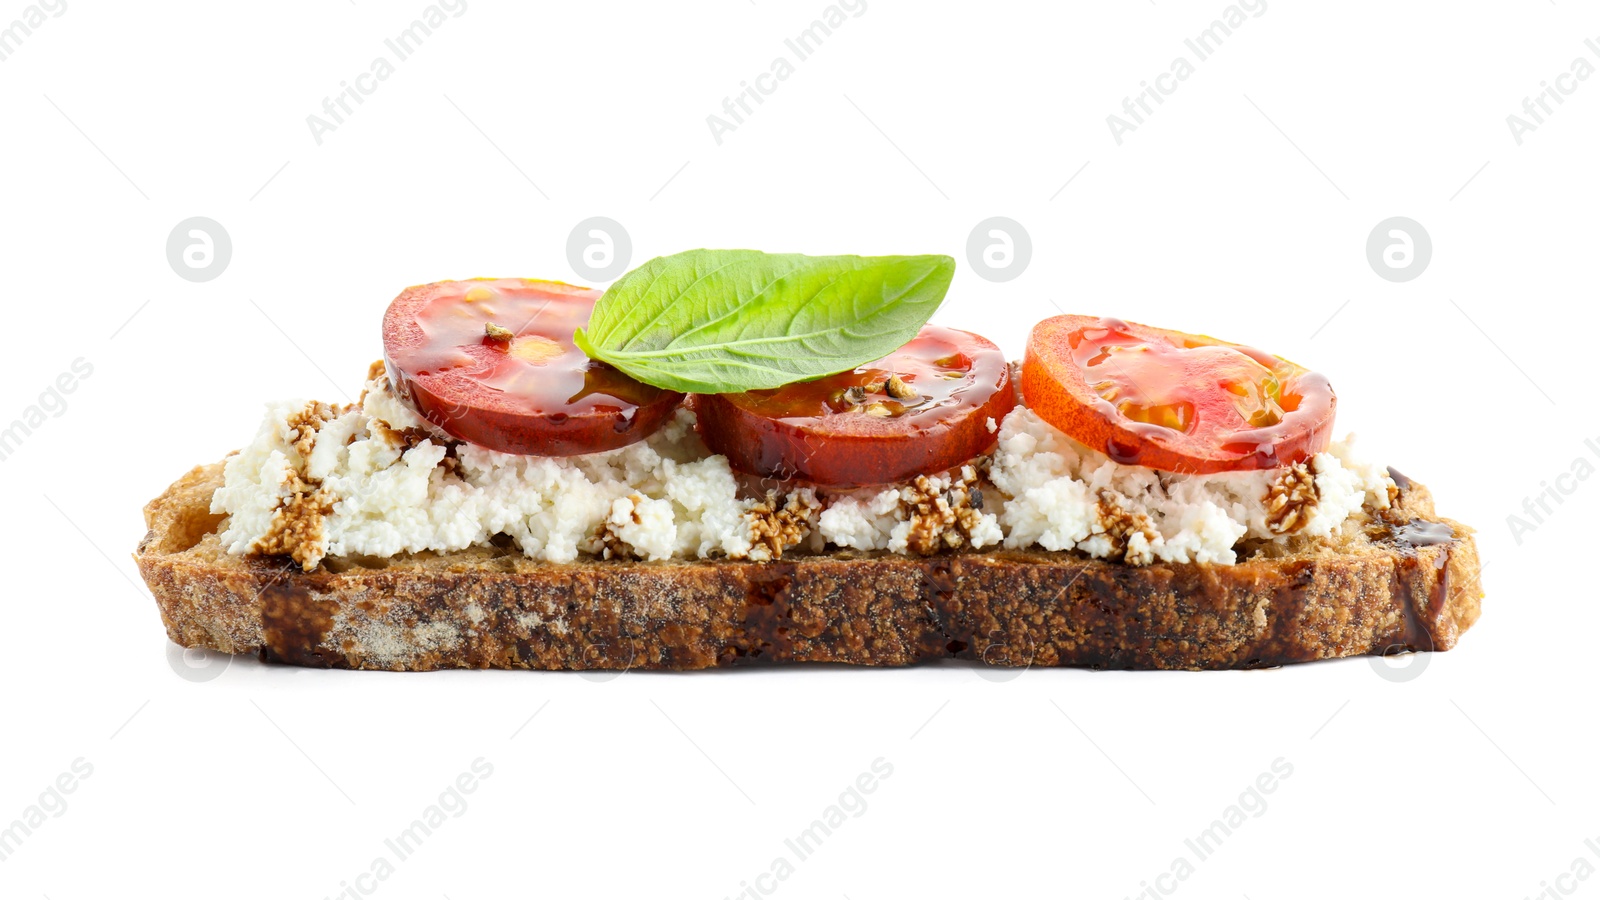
point(1241, 208)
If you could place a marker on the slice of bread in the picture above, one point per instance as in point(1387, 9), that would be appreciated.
point(1407, 580)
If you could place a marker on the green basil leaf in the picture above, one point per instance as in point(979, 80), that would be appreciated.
point(723, 321)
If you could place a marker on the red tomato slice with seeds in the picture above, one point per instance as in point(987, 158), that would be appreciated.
point(924, 408)
point(1174, 401)
point(492, 362)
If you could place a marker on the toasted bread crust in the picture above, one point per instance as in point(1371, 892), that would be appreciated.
point(1410, 584)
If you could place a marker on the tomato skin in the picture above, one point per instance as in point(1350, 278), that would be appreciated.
point(794, 432)
point(508, 432)
point(537, 395)
point(1216, 436)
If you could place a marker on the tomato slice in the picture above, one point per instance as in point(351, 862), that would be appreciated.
point(922, 409)
point(525, 388)
point(1168, 400)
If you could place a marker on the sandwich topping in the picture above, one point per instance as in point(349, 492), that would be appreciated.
point(552, 418)
point(374, 479)
point(1063, 495)
point(1174, 401)
point(359, 485)
point(923, 408)
point(491, 361)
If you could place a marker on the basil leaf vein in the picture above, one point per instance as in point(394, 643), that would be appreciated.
point(722, 321)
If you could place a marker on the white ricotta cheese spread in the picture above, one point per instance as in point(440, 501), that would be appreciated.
point(373, 479)
point(1056, 489)
point(662, 497)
